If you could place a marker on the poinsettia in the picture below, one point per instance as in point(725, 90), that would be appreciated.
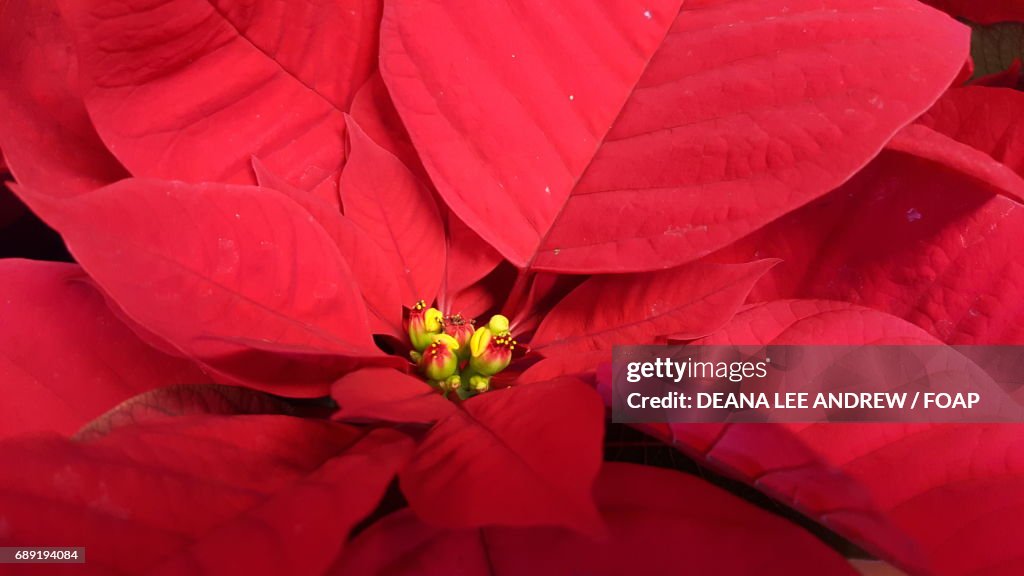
point(443, 216)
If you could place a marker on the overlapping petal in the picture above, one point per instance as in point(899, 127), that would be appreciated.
point(640, 136)
point(522, 456)
point(905, 237)
point(199, 493)
point(238, 277)
point(659, 521)
point(162, 103)
point(65, 358)
point(936, 499)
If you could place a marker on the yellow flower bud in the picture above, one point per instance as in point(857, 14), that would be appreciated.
point(490, 353)
point(446, 340)
point(433, 320)
point(478, 343)
point(498, 324)
point(422, 323)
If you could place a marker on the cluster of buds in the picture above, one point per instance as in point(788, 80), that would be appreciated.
point(454, 356)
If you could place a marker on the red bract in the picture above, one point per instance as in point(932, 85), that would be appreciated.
point(924, 142)
point(562, 154)
point(380, 394)
point(380, 202)
point(52, 311)
point(164, 104)
point(372, 268)
point(958, 483)
point(973, 130)
point(521, 457)
point(383, 198)
point(227, 275)
point(265, 494)
point(988, 119)
point(908, 238)
point(638, 309)
point(48, 139)
point(642, 507)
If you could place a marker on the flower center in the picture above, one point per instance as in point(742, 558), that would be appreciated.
point(452, 355)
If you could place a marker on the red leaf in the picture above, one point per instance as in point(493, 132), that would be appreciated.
point(952, 492)
point(645, 308)
point(381, 196)
point(322, 206)
point(64, 358)
point(922, 141)
point(988, 119)
point(209, 494)
point(47, 138)
point(469, 260)
point(815, 322)
point(375, 113)
point(956, 489)
point(486, 295)
point(662, 522)
point(226, 274)
point(966, 72)
point(515, 457)
point(186, 400)
point(581, 365)
point(308, 523)
point(528, 307)
point(374, 394)
point(590, 141)
point(371, 266)
point(473, 301)
point(771, 459)
point(485, 93)
point(208, 84)
point(330, 47)
point(924, 244)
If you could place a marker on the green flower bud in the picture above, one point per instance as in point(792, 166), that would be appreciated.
point(490, 353)
point(452, 383)
point(439, 361)
point(479, 383)
point(422, 324)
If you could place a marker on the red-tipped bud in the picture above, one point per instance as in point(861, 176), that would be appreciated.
point(422, 324)
point(439, 361)
point(461, 330)
point(490, 353)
